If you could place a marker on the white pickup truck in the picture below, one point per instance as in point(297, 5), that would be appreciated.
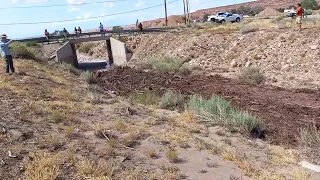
point(229, 17)
point(213, 17)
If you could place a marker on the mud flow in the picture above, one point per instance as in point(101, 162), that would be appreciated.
point(283, 111)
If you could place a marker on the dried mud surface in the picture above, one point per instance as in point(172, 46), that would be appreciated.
point(283, 111)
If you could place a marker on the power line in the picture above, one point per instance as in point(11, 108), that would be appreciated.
point(96, 17)
point(59, 5)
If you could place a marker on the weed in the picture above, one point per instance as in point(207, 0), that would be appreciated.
point(251, 75)
point(51, 141)
point(130, 140)
point(201, 145)
point(99, 130)
point(58, 116)
point(172, 156)
point(220, 111)
point(31, 43)
point(44, 166)
point(309, 137)
point(244, 29)
point(171, 100)
point(89, 77)
point(281, 156)
point(120, 126)
point(300, 174)
point(86, 47)
point(19, 50)
point(151, 153)
point(70, 68)
point(69, 131)
point(166, 64)
point(96, 169)
point(246, 167)
point(62, 93)
point(147, 98)
point(95, 98)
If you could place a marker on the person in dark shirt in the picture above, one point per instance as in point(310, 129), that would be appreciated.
point(79, 30)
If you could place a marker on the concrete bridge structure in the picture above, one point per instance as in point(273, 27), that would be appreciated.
point(117, 51)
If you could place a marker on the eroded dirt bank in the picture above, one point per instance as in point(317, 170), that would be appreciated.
point(283, 111)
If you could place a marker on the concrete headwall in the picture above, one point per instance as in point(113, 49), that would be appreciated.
point(67, 54)
point(119, 52)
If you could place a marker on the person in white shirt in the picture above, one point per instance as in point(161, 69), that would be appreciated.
point(6, 54)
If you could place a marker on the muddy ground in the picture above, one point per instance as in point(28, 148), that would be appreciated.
point(283, 111)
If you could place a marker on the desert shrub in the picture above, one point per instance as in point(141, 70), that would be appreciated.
point(248, 10)
point(90, 77)
point(85, 47)
point(251, 75)
point(147, 98)
point(43, 166)
point(171, 100)
point(308, 12)
point(70, 68)
point(245, 28)
point(278, 19)
point(19, 50)
point(166, 64)
point(220, 111)
point(172, 156)
point(309, 4)
point(31, 43)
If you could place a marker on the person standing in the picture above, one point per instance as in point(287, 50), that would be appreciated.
point(6, 54)
point(101, 29)
point(46, 33)
point(299, 16)
point(79, 30)
point(75, 31)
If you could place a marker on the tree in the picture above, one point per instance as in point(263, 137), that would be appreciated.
point(309, 4)
point(117, 29)
point(205, 16)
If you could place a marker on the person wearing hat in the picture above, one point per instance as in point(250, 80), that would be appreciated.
point(5, 53)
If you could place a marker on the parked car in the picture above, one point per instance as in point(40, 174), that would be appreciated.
point(290, 12)
point(229, 17)
point(213, 17)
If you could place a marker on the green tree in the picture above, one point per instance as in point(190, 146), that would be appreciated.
point(205, 16)
point(117, 29)
point(309, 4)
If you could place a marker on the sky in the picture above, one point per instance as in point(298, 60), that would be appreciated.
point(79, 12)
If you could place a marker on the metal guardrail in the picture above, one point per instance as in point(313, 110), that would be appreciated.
point(71, 36)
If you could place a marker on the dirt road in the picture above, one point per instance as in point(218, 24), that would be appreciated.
point(283, 111)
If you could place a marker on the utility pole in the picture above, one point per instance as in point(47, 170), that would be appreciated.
point(188, 16)
point(184, 10)
point(165, 11)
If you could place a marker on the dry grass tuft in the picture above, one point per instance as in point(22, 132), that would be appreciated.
point(251, 75)
point(151, 153)
point(201, 145)
point(120, 126)
point(100, 169)
point(172, 156)
point(51, 141)
point(43, 166)
point(300, 174)
point(280, 156)
point(243, 164)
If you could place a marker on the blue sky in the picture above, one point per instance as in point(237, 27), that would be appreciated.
point(45, 14)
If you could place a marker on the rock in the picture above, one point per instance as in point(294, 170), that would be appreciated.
point(313, 47)
point(233, 64)
point(310, 166)
point(248, 64)
point(16, 135)
point(285, 67)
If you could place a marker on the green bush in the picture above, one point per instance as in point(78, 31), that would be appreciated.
point(19, 50)
point(90, 77)
point(308, 12)
point(309, 4)
point(86, 47)
point(31, 43)
point(220, 111)
point(171, 100)
point(166, 64)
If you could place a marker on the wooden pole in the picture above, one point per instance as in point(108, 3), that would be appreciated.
point(187, 6)
point(165, 11)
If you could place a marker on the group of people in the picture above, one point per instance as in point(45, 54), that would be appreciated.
point(77, 31)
